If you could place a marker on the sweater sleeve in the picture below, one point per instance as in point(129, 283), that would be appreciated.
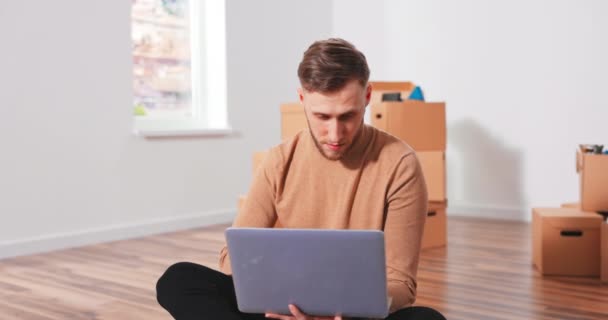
point(258, 210)
point(405, 217)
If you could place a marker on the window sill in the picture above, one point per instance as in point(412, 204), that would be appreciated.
point(189, 132)
point(158, 129)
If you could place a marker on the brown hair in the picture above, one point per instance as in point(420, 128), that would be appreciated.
point(328, 65)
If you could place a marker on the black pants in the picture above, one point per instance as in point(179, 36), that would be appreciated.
point(194, 292)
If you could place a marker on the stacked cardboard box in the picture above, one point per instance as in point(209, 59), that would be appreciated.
point(381, 87)
point(422, 125)
point(604, 252)
point(593, 177)
point(593, 174)
point(435, 228)
point(603, 239)
point(566, 241)
point(573, 240)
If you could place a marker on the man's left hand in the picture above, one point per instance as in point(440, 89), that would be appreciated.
point(299, 315)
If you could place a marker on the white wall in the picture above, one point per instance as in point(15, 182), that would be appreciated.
point(72, 173)
point(524, 82)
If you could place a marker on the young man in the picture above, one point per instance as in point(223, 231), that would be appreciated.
point(339, 174)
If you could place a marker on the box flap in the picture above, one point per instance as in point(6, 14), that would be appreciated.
point(569, 218)
point(392, 85)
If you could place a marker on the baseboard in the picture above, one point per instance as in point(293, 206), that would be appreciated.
point(491, 212)
point(52, 242)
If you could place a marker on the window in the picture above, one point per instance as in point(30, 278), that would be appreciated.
point(178, 48)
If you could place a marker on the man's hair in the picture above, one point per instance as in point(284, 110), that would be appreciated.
point(328, 65)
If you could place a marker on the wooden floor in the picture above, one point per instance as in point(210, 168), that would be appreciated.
point(484, 273)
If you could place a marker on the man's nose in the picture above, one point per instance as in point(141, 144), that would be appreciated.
point(335, 131)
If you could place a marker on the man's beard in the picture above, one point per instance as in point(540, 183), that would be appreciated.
point(341, 155)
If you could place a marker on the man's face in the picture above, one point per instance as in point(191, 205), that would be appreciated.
point(335, 118)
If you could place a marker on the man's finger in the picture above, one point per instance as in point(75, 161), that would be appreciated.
point(278, 316)
point(297, 313)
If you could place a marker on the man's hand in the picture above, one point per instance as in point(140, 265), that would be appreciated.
point(299, 315)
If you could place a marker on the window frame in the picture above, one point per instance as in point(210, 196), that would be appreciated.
point(208, 78)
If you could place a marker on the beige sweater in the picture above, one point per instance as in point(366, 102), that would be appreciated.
point(377, 185)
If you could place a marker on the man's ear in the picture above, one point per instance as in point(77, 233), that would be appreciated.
point(301, 95)
point(368, 94)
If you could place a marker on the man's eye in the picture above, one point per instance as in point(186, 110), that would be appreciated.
point(323, 116)
point(346, 116)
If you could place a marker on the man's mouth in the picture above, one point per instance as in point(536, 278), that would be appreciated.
point(334, 146)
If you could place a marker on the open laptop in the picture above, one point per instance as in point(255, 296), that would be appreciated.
point(323, 272)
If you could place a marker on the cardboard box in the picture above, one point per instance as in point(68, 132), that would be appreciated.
point(566, 241)
point(381, 87)
point(435, 228)
point(604, 252)
point(257, 159)
point(593, 174)
point(293, 119)
point(420, 124)
point(433, 168)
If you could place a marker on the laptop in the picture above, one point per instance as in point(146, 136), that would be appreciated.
point(323, 272)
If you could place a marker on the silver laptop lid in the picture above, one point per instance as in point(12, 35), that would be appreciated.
point(323, 272)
